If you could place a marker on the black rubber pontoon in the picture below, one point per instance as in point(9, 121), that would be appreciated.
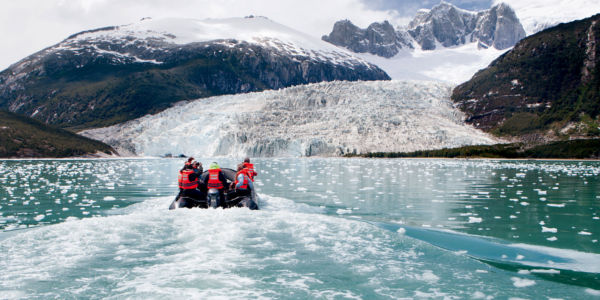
point(249, 201)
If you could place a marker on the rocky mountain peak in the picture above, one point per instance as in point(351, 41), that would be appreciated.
point(379, 38)
point(444, 24)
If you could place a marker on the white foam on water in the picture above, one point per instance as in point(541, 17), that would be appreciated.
point(574, 260)
point(150, 251)
point(592, 292)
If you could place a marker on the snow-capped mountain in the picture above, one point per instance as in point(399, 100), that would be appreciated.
point(444, 43)
point(445, 25)
point(113, 74)
point(537, 15)
point(328, 118)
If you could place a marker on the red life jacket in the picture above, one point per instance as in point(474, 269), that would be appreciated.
point(251, 173)
point(184, 180)
point(213, 179)
point(244, 185)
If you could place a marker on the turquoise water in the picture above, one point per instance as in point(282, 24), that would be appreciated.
point(328, 228)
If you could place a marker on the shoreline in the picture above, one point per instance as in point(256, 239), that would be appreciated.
point(308, 157)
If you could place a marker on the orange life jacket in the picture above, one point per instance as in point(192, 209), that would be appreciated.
point(244, 185)
point(213, 179)
point(251, 173)
point(184, 180)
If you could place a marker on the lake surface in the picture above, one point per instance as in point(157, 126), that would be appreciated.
point(328, 228)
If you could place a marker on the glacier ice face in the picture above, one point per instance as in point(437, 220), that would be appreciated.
point(328, 118)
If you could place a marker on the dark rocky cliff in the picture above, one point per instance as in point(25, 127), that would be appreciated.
point(549, 82)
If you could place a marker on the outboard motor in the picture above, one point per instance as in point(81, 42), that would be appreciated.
point(213, 198)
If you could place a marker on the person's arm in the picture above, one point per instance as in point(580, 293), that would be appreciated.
point(240, 180)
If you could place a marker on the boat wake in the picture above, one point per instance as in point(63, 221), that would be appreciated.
point(559, 265)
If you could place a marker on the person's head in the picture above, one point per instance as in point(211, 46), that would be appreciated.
point(247, 160)
point(196, 165)
point(190, 159)
point(240, 167)
point(213, 165)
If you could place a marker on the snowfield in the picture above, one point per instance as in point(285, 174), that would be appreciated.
point(537, 15)
point(329, 118)
point(448, 64)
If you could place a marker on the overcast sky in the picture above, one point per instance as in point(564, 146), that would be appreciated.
point(27, 26)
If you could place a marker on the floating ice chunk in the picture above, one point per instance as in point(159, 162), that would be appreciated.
point(109, 198)
point(475, 220)
point(520, 257)
point(39, 217)
point(548, 229)
point(428, 276)
point(542, 223)
point(524, 203)
point(556, 204)
point(584, 233)
point(545, 271)
point(522, 282)
point(401, 231)
point(343, 211)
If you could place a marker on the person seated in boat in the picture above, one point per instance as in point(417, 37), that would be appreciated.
point(197, 166)
point(242, 186)
point(188, 184)
point(215, 179)
point(251, 172)
point(189, 162)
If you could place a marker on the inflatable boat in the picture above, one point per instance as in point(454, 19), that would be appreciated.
point(214, 200)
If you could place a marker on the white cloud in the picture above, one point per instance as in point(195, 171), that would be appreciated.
point(27, 26)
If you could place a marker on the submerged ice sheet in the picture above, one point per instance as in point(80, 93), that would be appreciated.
point(329, 118)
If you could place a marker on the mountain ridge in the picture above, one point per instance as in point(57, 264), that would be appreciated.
point(547, 85)
point(21, 136)
point(445, 25)
point(113, 74)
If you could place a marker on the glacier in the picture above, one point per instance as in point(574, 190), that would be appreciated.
point(321, 119)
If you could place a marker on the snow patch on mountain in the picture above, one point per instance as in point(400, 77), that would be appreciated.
point(161, 34)
point(328, 118)
point(537, 15)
